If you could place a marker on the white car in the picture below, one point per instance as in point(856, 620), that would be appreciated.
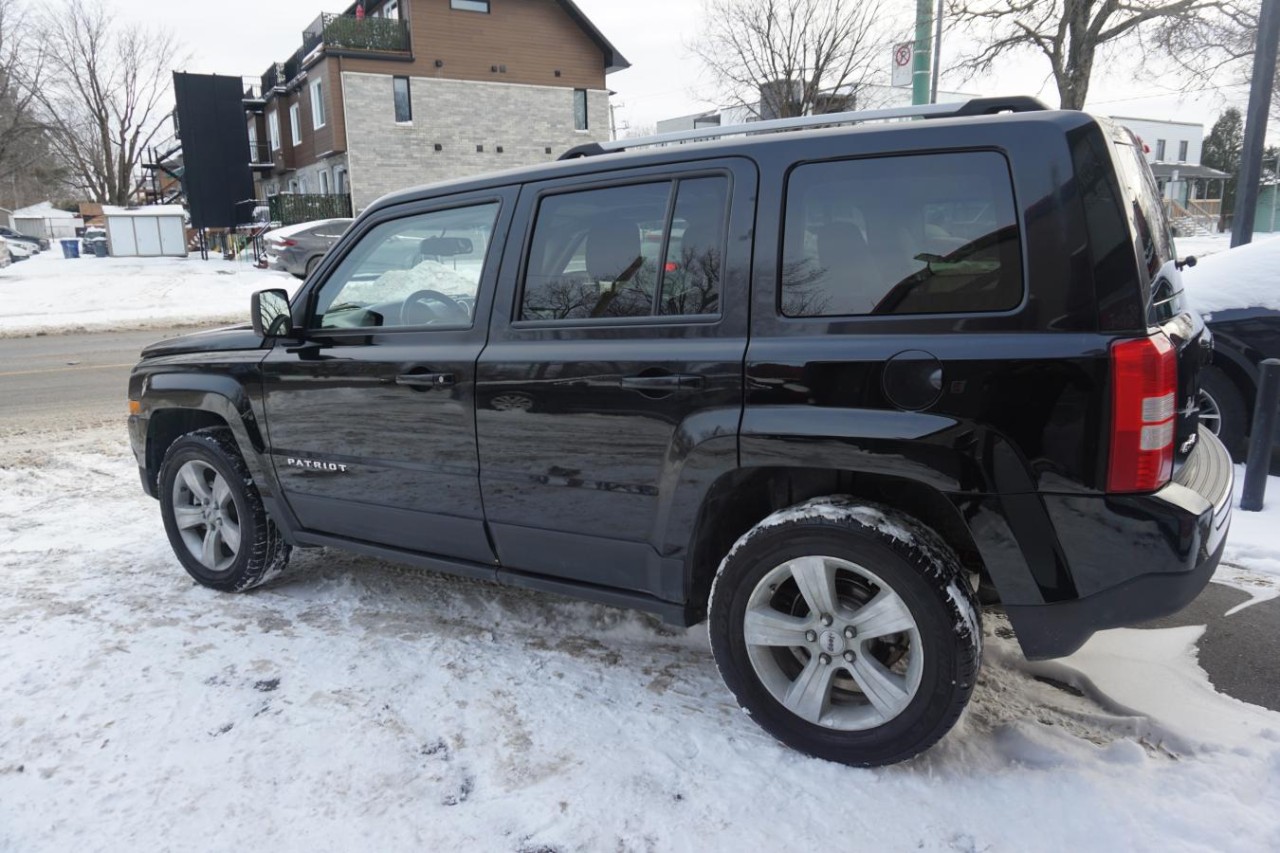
point(19, 251)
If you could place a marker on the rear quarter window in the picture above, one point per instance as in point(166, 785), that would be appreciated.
point(916, 234)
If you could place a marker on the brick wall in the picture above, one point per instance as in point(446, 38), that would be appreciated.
point(458, 116)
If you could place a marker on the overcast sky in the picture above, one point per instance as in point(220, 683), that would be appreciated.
point(243, 37)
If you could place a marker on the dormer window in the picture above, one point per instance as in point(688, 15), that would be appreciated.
point(470, 5)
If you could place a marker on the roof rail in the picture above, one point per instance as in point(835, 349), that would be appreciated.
point(974, 107)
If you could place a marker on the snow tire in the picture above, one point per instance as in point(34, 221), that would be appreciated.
point(262, 553)
point(904, 555)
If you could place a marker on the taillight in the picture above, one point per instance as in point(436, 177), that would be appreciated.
point(1144, 393)
point(284, 244)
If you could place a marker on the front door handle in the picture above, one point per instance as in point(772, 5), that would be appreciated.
point(663, 382)
point(426, 380)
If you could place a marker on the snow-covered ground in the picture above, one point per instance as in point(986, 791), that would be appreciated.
point(1205, 245)
point(353, 704)
point(50, 294)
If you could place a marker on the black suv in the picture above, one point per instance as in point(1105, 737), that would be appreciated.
point(823, 388)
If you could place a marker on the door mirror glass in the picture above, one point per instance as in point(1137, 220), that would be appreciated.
point(270, 314)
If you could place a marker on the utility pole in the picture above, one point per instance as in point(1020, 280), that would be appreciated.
point(1255, 126)
point(921, 64)
point(937, 52)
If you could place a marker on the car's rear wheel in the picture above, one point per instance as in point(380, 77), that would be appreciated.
point(847, 631)
point(214, 516)
point(312, 263)
point(1223, 411)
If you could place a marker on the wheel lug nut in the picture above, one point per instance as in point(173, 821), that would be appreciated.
point(851, 632)
point(849, 656)
point(826, 619)
point(824, 659)
point(811, 636)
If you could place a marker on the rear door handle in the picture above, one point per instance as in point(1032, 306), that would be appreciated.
point(426, 380)
point(664, 382)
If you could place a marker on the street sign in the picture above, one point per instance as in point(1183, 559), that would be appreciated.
point(902, 54)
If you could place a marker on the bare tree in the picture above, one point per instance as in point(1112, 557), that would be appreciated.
point(104, 95)
point(780, 58)
point(1069, 33)
point(22, 134)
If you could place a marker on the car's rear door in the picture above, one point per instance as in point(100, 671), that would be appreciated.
point(613, 373)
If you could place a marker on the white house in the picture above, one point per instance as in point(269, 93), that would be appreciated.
point(45, 220)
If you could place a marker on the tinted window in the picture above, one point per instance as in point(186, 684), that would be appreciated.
point(625, 252)
point(901, 235)
point(418, 271)
point(1154, 244)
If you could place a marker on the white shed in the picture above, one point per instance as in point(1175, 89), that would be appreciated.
point(45, 220)
point(146, 232)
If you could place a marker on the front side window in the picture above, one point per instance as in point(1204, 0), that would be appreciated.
point(470, 5)
point(921, 234)
point(402, 99)
point(422, 270)
point(317, 105)
point(273, 129)
point(295, 124)
point(624, 251)
point(580, 109)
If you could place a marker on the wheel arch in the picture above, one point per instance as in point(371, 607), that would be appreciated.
point(1241, 377)
point(742, 498)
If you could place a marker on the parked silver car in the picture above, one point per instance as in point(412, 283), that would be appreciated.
point(298, 248)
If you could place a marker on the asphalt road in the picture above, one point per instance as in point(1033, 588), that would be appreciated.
point(61, 383)
point(65, 382)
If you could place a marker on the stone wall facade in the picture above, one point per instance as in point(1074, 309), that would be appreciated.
point(478, 127)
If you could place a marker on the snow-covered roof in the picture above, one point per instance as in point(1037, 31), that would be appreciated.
point(148, 210)
point(43, 210)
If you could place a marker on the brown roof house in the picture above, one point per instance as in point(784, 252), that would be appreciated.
point(396, 93)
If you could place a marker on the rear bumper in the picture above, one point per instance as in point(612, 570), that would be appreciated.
point(1132, 558)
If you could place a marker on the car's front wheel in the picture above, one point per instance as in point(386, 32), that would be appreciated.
point(214, 516)
point(847, 631)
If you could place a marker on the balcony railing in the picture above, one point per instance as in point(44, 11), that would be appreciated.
point(339, 32)
point(346, 32)
point(273, 77)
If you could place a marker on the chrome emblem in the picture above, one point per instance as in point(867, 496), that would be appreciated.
point(315, 465)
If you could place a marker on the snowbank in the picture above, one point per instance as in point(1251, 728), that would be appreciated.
point(52, 294)
point(353, 704)
point(1244, 277)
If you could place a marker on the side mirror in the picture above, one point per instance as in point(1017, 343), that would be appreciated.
point(269, 312)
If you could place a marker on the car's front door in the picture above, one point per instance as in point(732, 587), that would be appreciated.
point(613, 374)
point(371, 413)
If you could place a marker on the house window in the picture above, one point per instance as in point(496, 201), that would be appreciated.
point(1159, 150)
point(579, 109)
point(302, 185)
point(293, 186)
point(324, 182)
point(340, 180)
point(1182, 151)
point(255, 156)
point(403, 101)
point(470, 5)
point(317, 104)
point(295, 123)
point(391, 9)
point(273, 129)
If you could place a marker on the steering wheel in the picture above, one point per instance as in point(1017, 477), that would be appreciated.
point(417, 303)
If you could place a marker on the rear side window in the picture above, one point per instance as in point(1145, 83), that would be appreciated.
point(918, 234)
point(637, 250)
point(1147, 209)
